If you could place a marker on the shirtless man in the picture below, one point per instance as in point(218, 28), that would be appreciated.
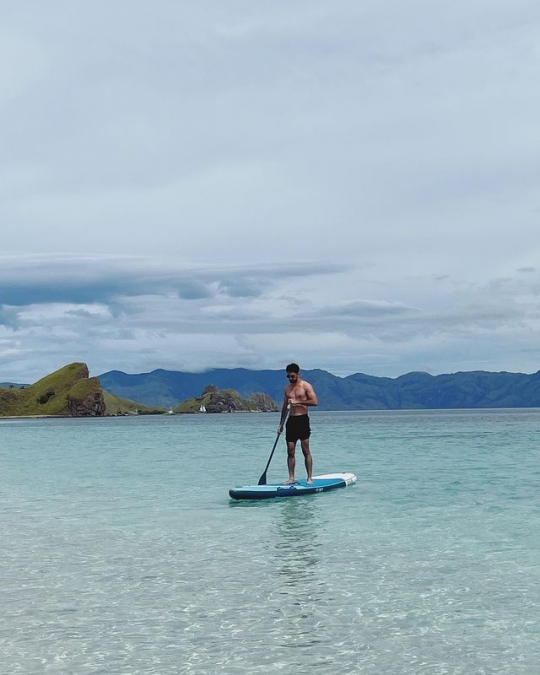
point(299, 394)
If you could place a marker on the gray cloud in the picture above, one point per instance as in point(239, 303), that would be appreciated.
point(50, 279)
point(364, 309)
point(8, 316)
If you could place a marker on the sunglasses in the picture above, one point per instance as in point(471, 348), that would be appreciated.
point(289, 376)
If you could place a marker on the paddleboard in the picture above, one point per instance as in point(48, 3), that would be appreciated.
point(323, 483)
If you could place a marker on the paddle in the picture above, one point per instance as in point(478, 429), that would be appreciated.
point(262, 479)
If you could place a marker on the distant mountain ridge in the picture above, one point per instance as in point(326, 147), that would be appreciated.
point(415, 390)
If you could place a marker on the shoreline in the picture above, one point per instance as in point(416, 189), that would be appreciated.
point(41, 417)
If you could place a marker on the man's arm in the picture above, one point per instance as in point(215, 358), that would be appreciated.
point(286, 400)
point(311, 396)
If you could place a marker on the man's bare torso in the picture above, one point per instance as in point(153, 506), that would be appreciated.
point(298, 392)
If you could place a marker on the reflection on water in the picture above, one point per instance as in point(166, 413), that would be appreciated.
point(300, 590)
point(296, 543)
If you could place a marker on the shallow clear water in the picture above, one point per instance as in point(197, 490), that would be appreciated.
point(122, 553)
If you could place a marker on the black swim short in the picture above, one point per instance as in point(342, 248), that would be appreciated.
point(297, 428)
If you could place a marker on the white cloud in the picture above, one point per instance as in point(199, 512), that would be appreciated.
point(174, 177)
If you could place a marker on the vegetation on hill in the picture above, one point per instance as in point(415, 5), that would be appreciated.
point(116, 406)
point(214, 400)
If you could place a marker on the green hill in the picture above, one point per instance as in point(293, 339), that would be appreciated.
point(68, 392)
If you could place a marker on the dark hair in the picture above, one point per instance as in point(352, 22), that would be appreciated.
point(292, 368)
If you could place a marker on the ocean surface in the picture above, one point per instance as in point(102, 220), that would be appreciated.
point(123, 555)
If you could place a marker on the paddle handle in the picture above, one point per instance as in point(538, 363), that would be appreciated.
point(284, 417)
point(262, 479)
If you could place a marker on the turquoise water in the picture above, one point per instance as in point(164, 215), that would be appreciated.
point(122, 554)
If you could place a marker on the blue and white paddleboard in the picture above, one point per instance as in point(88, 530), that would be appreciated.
point(328, 481)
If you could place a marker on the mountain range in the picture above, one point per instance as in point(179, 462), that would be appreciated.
point(416, 390)
point(71, 392)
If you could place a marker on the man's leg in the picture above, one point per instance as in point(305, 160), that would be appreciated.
point(291, 462)
point(308, 459)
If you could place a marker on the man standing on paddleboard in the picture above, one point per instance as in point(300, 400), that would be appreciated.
point(298, 394)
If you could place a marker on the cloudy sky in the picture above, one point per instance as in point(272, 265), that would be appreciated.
point(350, 184)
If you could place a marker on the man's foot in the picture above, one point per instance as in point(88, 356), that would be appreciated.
point(309, 481)
point(290, 481)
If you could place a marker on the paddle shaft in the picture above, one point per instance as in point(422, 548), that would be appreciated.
point(262, 479)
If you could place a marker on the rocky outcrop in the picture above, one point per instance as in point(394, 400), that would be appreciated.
point(262, 402)
point(214, 400)
point(85, 399)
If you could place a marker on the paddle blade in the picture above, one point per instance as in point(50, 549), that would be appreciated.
point(262, 479)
